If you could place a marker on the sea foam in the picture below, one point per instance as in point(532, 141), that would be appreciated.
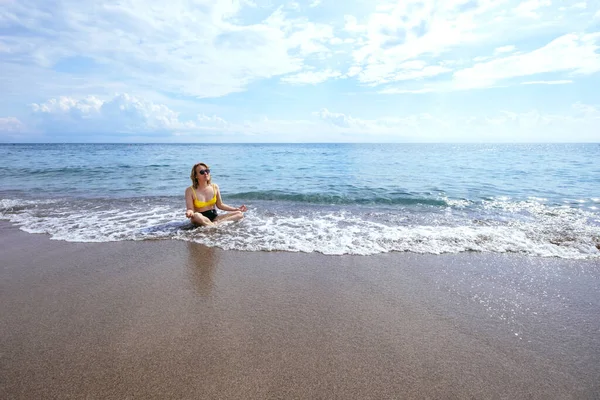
point(498, 226)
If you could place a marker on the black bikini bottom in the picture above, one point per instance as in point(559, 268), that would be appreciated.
point(210, 214)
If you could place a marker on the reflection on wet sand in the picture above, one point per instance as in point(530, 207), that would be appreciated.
point(201, 265)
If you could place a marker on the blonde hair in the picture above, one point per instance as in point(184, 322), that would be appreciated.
point(193, 174)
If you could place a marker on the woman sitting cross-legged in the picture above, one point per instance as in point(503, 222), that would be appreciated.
point(203, 198)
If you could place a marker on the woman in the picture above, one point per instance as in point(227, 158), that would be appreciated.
point(203, 197)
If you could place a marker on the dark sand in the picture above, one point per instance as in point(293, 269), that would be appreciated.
point(170, 319)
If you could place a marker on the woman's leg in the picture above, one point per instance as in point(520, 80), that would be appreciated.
point(201, 220)
point(232, 216)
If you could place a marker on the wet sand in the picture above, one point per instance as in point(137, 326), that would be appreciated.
point(170, 319)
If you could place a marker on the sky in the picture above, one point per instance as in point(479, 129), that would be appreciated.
point(213, 71)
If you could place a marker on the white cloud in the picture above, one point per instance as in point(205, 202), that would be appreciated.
point(311, 77)
point(574, 53)
point(130, 118)
point(65, 105)
point(571, 55)
point(412, 70)
point(529, 8)
point(409, 73)
point(353, 71)
point(212, 120)
point(504, 49)
point(581, 122)
point(385, 128)
point(586, 110)
point(393, 90)
point(411, 30)
point(212, 48)
point(339, 119)
point(178, 56)
point(559, 82)
point(427, 31)
point(13, 130)
point(202, 50)
point(11, 125)
point(216, 129)
point(351, 24)
point(121, 114)
point(311, 38)
point(384, 72)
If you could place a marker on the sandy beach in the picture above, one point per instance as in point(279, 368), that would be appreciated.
point(171, 319)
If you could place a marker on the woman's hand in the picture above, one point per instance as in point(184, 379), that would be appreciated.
point(243, 208)
point(189, 214)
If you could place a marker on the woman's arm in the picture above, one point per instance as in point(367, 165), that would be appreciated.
point(225, 207)
point(189, 203)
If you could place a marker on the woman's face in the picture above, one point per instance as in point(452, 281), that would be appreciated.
point(202, 173)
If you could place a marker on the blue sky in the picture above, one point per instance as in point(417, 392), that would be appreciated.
point(300, 71)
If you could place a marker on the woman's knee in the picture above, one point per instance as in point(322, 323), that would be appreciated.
point(234, 216)
point(200, 219)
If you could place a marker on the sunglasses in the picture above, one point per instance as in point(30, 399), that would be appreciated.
point(204, 171)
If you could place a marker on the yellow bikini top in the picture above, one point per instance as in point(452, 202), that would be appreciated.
point(202, 204)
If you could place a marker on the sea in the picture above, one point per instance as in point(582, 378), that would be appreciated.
point(539, 200)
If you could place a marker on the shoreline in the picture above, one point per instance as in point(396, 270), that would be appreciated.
point(172, 319)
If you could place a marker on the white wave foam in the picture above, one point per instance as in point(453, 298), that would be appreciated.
point(64, 221)
point(9, 205)
point(337, 234)
point(457, 203)
point(541, 230)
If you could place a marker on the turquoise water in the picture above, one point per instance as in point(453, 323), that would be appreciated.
point(536, 199)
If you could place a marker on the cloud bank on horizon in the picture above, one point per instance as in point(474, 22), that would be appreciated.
point(300, 71)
